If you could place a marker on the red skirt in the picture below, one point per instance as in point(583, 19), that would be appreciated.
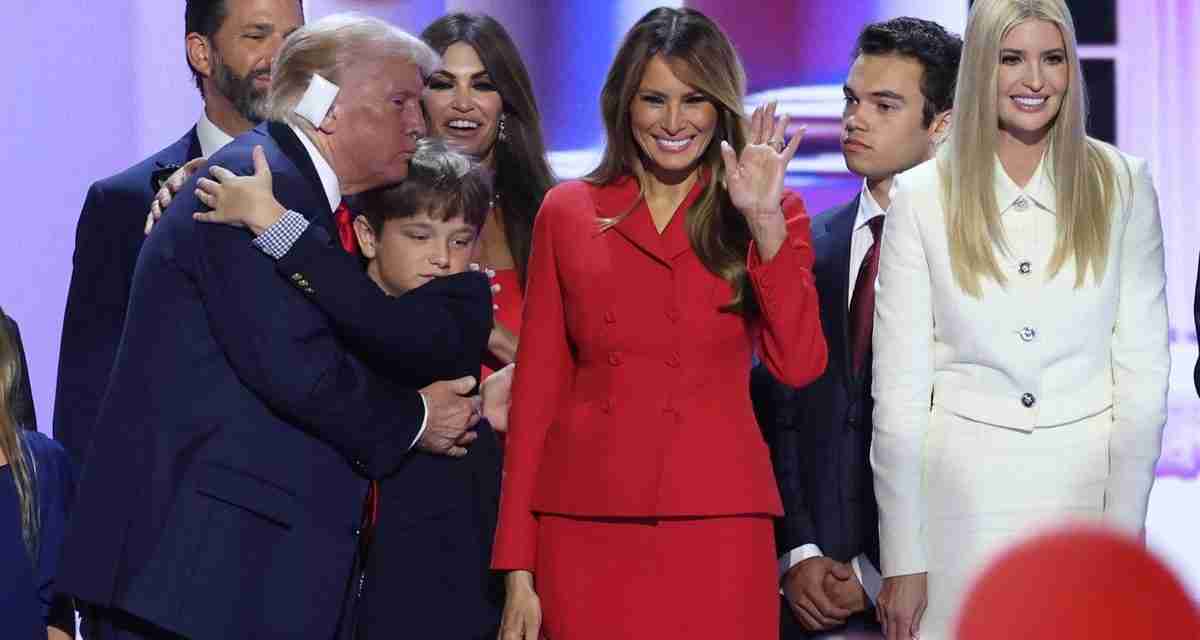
point(667, 578)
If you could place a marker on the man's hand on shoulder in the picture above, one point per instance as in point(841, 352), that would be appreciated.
point(804, 589)
point(449, 415)
point(168, 189)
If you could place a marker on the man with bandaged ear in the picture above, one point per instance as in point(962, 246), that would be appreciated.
point(227, 492)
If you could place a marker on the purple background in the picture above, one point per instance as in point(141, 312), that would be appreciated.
point(96, 86)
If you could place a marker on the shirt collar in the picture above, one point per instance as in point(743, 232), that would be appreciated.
point(869, 208)
point(329, 179)
point(1040, 189)
point(211, 137)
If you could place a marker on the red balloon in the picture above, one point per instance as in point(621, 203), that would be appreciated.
point(1079, 583)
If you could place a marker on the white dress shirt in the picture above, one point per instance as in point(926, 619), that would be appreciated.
point(860, 242)
point(211, 137)
point(1036, 352)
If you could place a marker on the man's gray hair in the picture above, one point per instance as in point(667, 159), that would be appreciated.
point(328, 47)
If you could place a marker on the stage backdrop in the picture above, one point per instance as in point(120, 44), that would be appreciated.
point(95, 86)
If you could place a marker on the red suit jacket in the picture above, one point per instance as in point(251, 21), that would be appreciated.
point(632, 393)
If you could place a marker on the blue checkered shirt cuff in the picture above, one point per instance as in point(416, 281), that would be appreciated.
point(279, 238)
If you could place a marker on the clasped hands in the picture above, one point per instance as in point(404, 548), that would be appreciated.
point(822, 593)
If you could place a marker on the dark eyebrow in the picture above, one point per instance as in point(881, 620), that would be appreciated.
point(1014, 51)
point(445, 73)
point(1060, 51)
point(890, 95)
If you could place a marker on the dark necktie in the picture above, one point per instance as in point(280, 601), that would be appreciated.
point(862, 305)
point(345, 228)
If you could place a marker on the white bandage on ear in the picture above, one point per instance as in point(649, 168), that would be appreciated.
point(317, 100)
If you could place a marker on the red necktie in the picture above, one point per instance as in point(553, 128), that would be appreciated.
point(862, 305)
point(345, 227)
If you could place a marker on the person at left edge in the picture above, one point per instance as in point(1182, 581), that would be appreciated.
point(21, 393)
point(223, 492)
point(230, 47)
point(36, 486)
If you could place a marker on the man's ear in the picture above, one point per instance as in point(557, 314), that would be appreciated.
point(366, 237)
point(939, 129)
point(199, 54)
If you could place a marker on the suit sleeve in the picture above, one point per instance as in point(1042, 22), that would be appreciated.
point(545, 368)
point(284, 349)
point(56, 490)
point(774, 408)
point(429, 331)
point(1141, 361)
point(793, 345)
point(902, 383)
point(92, 324)
point(22, 404)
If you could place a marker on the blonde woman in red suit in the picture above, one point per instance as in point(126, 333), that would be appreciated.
point(638, 496)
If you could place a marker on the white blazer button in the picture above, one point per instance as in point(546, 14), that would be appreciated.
point(1028, 334)
point(1021, 204)
point(1028, 400)
point(1025, 268)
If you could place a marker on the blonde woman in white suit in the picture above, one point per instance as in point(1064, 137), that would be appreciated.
point(1020, 338)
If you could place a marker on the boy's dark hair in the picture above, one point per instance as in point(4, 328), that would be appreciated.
point(441, 183)
point(938, 51)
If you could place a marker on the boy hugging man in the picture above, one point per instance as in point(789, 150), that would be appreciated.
point(436, 516)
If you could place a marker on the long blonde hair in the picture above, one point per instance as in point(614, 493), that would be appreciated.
point(1083, 176)
point(702, 56)
point(10, 439)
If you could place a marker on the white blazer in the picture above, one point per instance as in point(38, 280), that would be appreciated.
point(1036, 352)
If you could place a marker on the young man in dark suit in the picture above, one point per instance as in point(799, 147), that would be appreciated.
point(230, 46)
point(898, 96)
point(224, 491)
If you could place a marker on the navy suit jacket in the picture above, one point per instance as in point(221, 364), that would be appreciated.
point(222, 494)
point(820, 435)
point(107, 241)
point(21, 393)
point(428, 563)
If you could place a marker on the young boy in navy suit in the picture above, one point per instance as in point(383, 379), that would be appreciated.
point(418, 238)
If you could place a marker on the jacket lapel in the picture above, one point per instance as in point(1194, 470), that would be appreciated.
point(291, 147)
point(675, 238)
point(832, 274)
point(638, 227)
point(173, 157)
point(635, 225)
